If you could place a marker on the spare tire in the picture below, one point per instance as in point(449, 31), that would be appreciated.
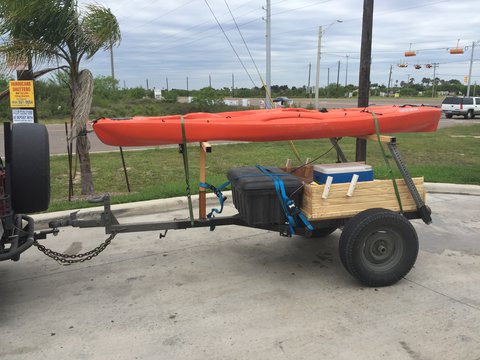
point(29, 168)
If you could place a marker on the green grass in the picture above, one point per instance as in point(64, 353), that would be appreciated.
point(158, 173)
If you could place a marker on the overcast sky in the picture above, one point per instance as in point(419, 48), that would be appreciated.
point(179, 39)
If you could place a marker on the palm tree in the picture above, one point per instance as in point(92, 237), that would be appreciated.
point(46, 31)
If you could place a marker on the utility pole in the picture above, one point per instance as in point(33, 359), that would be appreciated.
point(470, 71)
point(233, 85)
point(309, 72)
point(328, 82)
point(187, 86)
point(317, 75)
point(364, 73)
point(147, 84)
point(210, 80)
point(346, 75)
point(389, 80)
point(268, 39)
point(338, 79)
point(124, 85)
point(434, 76)
point(167, 82)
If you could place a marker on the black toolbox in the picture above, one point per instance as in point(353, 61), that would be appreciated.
point(255, 197)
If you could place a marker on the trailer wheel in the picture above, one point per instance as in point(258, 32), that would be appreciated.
point(29, 168)
point(322, 232)
point(378, 247)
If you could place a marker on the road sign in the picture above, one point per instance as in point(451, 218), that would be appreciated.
point(22, 116)
point(21, 94)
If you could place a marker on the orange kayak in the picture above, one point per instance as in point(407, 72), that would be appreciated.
point(265, 125)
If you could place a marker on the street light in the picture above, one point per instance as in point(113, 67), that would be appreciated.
point(470, 70)
point(319, 51)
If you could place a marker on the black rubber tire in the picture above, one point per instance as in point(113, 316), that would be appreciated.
point(448, 116)
point(347, 229)
point(30, 168)
point(322, 232)
point(469, 115)
point(379, 247)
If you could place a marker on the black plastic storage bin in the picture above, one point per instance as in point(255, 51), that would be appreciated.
point(255, 197)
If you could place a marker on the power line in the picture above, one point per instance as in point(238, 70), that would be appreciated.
point(245, 43)
point(231, 45)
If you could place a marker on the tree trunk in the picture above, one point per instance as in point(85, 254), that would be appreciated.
point(82, 91)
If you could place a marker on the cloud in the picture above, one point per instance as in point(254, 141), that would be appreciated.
point(179, 39)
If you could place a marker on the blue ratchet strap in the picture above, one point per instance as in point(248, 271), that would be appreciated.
point(218, 192)
point(292, 213)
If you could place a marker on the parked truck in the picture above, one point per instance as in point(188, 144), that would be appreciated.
point(468, 107)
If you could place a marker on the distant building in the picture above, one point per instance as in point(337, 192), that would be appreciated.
point(157, 94)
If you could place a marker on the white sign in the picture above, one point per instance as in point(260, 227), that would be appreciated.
point(22, 116)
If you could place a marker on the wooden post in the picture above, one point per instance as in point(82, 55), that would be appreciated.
point(202, 193)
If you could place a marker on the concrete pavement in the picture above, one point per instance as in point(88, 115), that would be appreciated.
point(243, 293)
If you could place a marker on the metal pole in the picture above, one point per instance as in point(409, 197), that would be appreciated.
point(364, 74)
point(434, 81)
point(470, 71)
point(389, 80)
point(210, 80)
point(233, 85)
point(124, 169)
point(268, 38)
point(328, 83)
point(338, 79)
point(317, 76)
point(167, 83)
point(187, 85)
point(309, 72)
point(346, 74)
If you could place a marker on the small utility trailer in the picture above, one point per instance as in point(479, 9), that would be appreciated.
point(378, 245)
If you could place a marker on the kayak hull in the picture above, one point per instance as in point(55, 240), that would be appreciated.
point(265, 125)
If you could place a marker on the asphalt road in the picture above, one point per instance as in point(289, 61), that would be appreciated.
point(243, 293)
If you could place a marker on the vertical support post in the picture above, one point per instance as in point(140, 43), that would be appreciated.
point(338, 79)
point(389, 81)
point(202, 192)
point(470, 70)
point(364, 76)
point(317, 74)
point(124, 169)
point(268, 46)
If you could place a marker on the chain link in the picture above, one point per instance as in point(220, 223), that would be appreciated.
point(66, 259)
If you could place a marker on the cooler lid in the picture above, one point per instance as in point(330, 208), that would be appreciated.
point(348, 167)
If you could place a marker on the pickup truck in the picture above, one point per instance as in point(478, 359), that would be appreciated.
point(467, 107)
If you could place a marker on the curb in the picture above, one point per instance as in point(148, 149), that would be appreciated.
point(454, 189)
point(176, 203)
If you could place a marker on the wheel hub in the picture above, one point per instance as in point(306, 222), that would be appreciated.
point(382, 249)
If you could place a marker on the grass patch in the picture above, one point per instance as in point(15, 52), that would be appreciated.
point(158, 173)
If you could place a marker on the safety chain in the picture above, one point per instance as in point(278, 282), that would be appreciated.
point(66, 259)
